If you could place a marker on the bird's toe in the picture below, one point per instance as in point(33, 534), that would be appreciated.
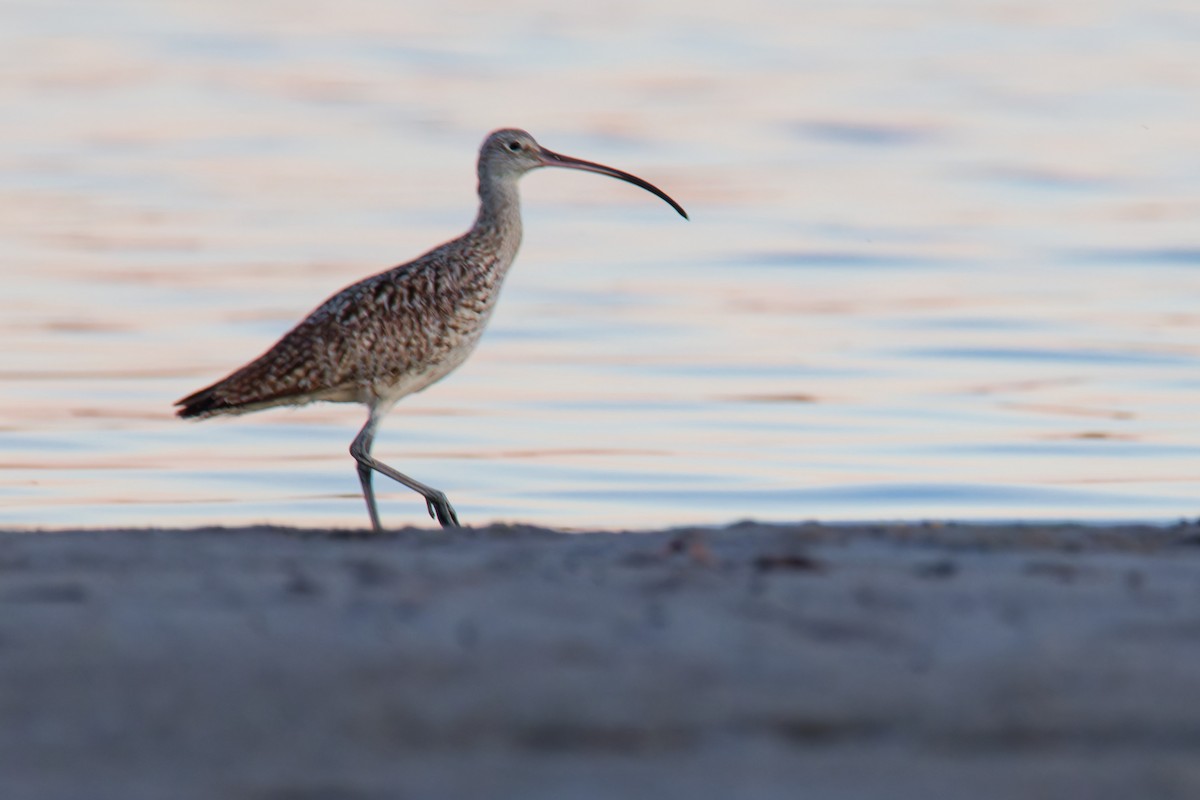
point(441, 510)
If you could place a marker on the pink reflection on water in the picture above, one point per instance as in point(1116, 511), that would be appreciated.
point(895, 276)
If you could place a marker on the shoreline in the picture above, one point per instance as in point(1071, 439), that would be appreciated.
point(749, 660)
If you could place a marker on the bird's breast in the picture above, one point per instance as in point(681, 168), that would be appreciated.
point(434, 320)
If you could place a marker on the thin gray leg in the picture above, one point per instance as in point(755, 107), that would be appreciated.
point(435, 500)
point(364, 477)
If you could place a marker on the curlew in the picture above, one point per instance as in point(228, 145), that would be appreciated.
point(399, 331)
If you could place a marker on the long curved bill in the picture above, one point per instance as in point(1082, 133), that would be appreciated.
point(552, 159)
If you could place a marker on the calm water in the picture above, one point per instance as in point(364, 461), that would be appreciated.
point(944, 259)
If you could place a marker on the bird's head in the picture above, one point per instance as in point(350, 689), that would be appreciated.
point(509, 153)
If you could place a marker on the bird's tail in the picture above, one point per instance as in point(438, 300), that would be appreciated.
point(205, 403)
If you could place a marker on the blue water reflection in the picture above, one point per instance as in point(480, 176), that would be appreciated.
point(940, 263)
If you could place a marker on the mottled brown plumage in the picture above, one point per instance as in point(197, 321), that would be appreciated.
point(397, 332)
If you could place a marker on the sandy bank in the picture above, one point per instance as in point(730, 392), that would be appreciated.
point(745, 662)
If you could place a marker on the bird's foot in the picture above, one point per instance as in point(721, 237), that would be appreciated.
point(441, 510)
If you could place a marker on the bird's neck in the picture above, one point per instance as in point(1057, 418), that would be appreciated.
point(499, 219)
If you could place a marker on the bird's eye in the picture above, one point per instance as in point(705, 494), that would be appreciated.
point(514, 146)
